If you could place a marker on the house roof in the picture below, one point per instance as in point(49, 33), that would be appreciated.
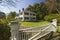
point(28, 11)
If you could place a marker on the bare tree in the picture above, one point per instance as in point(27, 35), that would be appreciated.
point(8, 2)
point(53, 5)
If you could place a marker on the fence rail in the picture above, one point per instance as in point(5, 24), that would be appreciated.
point(35, 33)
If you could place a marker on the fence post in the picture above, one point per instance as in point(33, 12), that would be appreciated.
point(14, 25)
point(54, 23)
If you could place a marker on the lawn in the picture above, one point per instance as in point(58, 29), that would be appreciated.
point(32, 24)
point(58, 28)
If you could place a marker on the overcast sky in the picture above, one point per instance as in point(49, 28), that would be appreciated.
point(19, 5)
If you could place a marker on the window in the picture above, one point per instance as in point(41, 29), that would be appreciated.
point(33, 18)
point(20, 17)
point(26, 13)
point(30, 14)
point(20, 13)
point(33, 14)
point(26, 18)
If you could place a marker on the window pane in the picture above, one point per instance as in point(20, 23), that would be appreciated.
point(20, 17)
point(26, 13)
point(30, 14)
point(33, 14)
point(26, 18)
point(20, 13)
point(33, 18)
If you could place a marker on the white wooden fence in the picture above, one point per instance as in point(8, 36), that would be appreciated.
point(33, 33)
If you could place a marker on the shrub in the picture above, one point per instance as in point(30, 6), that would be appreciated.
point(4, 31)
point(52, 16)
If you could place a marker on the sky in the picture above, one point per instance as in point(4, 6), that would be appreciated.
point(18, 5)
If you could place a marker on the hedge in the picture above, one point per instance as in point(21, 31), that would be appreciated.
point(52, 16)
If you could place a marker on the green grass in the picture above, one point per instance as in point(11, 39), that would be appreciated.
point(32, 24)
point(58, 28)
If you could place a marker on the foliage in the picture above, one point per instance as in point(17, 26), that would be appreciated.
point(39, 9)
point(4, 28)
point(44, 8)
point(11, 16)
point(58, 5)
point(2, 15)
point(52, 6)
point(4, 31)
point(52, 16)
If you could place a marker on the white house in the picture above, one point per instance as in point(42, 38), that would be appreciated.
point(27, 15)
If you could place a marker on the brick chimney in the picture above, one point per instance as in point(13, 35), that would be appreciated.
point(19, 11)
point(22, 9)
